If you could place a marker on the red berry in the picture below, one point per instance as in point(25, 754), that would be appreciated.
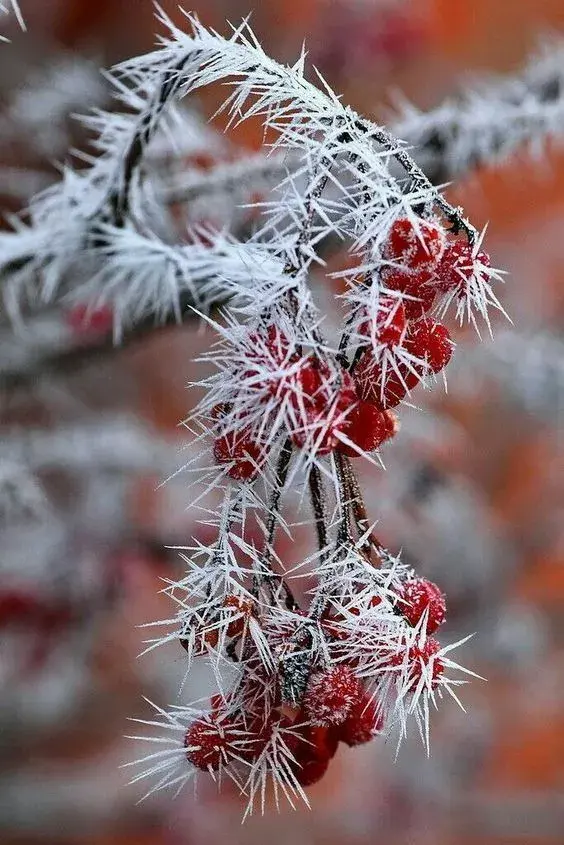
point(382, 392)
point(431, 342)
point(239, 449)
point(259, 733)
point(320, 406)
point(241, 609)
point(85, 320)
point(413, 244)
point(421, 662)
point(269, 352)
point(330, 695)
point(313, 752)
point(420, 293)
point(419, 595)
point(309, 770)
point(458, 266)
point(389, 323)
point(362, 724)
point(368, 427)
point(208, 742)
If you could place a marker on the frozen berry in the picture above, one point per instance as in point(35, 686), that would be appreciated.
point(320, 406)
point(458, 265)
point(331, 694)
point(417, 286)
point(419, 595)
point(367, 427)
point(388, 324)
point(241, 451)
point(412, 243)
point(201, 642)
point(362, 724)
point(383, 391)
point(208, 742)
point(431, 342)
point(421, 661)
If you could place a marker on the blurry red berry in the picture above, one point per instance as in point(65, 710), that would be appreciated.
point(208, 742)
point(412, 244)
point(85, 320)
point(431, 342)
point(419, 595)
point(368, 427)
point(331, 694)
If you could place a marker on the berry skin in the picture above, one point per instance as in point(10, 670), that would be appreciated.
point(421, 662)
point(239, 449)
point(269, 353)
point(242, 609)
point(412, 246)
point(362, 724)
point(431, 342)
point(368, 427)
point(389, 324)
point(313, 753)
point(259, 733)
point(416, 285)
point(320, 408)
point(383, 394)
point(419, 595)
point(330, 695)
point(208, 742)
point(458, 266)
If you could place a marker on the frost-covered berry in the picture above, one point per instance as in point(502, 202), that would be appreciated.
point(268, 358)
point(458, 265)
point(240, 450)
point(208, 742)
point(419, 595)
point(430, 341)
point(330, 695)
point(388, 324)
point(420, 294)
point(202, 641)
point(239, 609)
point(421, 661)
point(414, 243)
point(362, 724)
point(384, 391)
point(320, 406)
point(260, 732)
point(367, 427)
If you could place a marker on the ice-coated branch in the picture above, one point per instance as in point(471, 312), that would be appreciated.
point(489, 122)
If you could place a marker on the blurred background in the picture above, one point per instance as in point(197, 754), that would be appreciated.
point(473, 490)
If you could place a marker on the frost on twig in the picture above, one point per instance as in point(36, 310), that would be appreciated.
point(487, 123)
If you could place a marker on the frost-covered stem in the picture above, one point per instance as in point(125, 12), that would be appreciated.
point(359, 509)
point(489, 122)
point(281, 475)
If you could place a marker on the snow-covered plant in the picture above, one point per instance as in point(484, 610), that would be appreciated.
point(286, 413)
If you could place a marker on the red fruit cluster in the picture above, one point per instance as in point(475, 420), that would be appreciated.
point(209, 742)
point(419, 596)
point(428, 341)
